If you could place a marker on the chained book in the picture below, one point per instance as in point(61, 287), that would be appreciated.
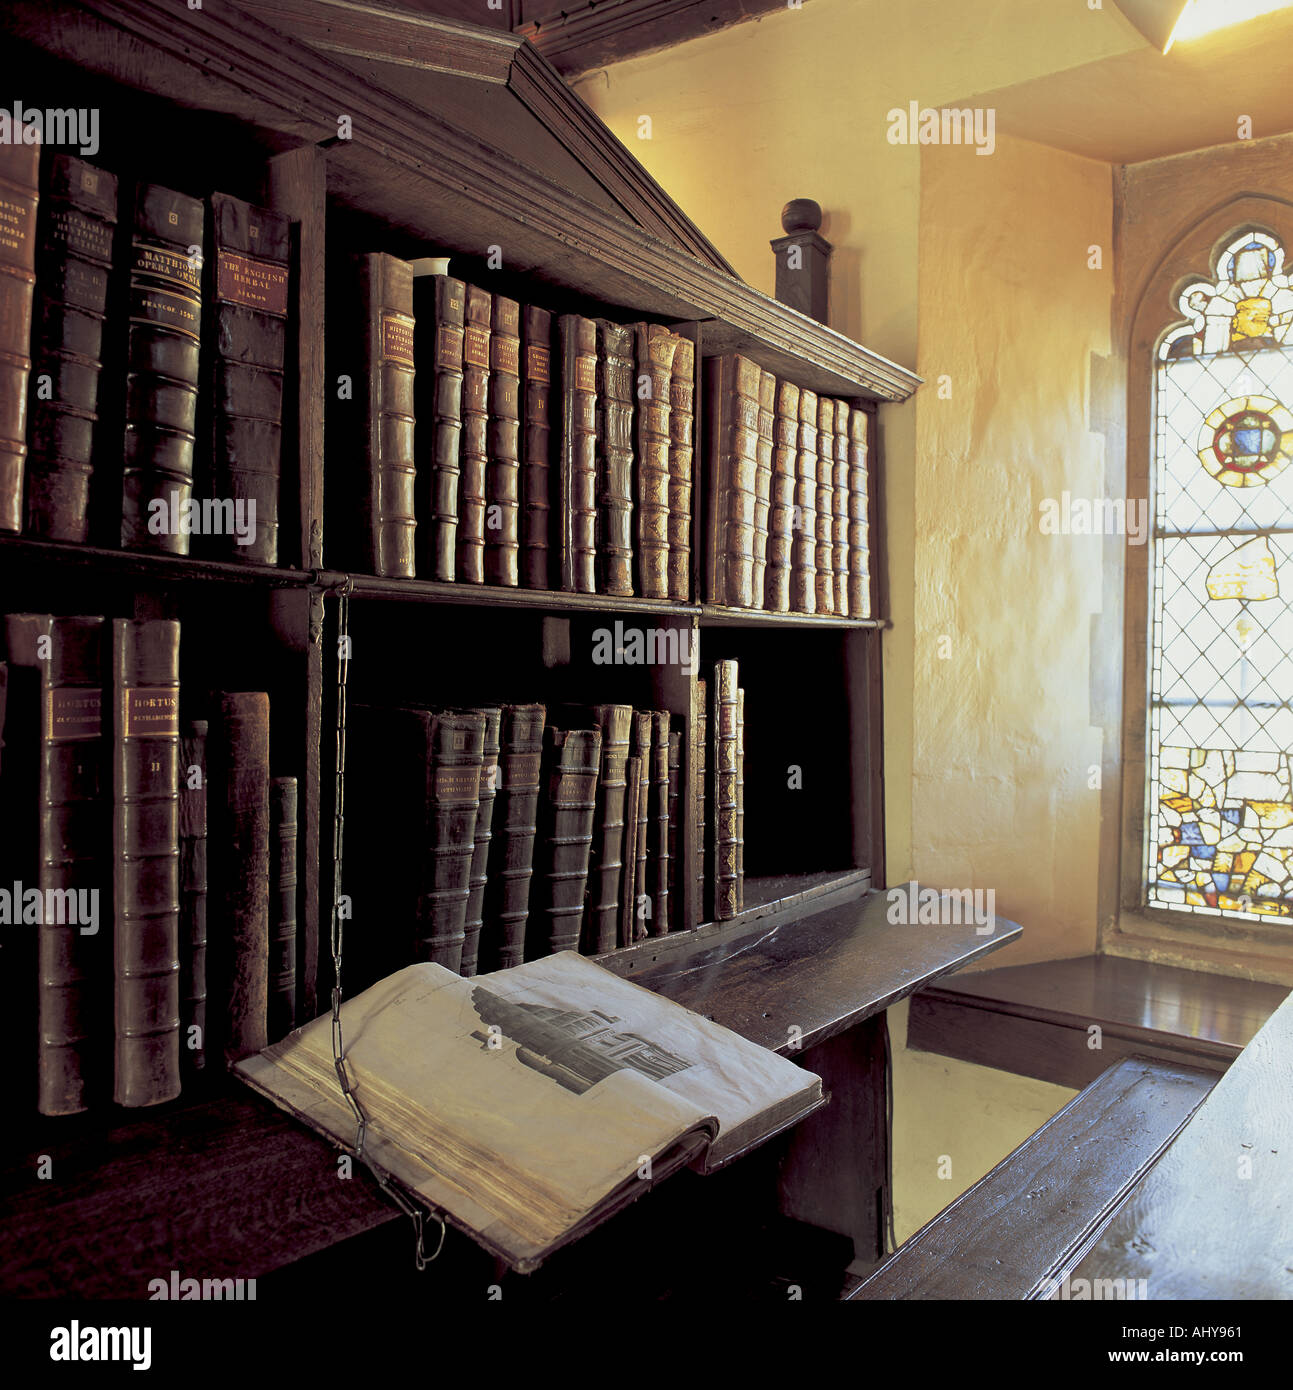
point(529, 1104)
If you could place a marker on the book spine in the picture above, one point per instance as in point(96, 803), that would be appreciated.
point(439, 303)
point(703, 911)
point(74, 833)
point(162, 363)
point(386, 295)
point(656, 348)
point(145, 844)
point(724, 805)
point(193, 896)
point(825, 560)
point(246, 327)
point(511, 857)
point(859, 589)
point(762, 485)
point(675, 772)
point(606, 864)
point(503, 476)
point(734, 439)
point(740, 799)
point(19, 195)
point(840, 511)
point(484, 834)
point(536, 502)
point(682, 412)
point(642, 730)
point(474, 451)
point(240, 833)
point(614, 450)
point(574, 758)
point(627, 918)
point(77, 220)
point(803, 574)
point(781, 513)
point(577, 472)
point(660, 850)
point(281, 1003)
point(455, 748)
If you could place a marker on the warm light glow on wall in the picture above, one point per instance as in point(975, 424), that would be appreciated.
point(1206, 16)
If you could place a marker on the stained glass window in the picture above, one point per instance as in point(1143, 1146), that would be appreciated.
point(1220, 808)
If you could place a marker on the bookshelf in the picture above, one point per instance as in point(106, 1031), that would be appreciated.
point(458, 139)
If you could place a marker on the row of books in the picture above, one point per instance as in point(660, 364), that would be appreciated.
point(482, 838)
point(490, 460)
point(788, 525)
point(109, 808)
point(129, 344)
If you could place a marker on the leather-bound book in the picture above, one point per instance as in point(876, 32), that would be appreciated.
point(246, 326)
point(474, 920)
point(701, 756)
point(439, 304)
point(606, 862)
point(859, 587)
point(78, 218)
point(72, 812)
point(239, 826)
point(825, 577)
point(840, 510)
point(193, 896)
point(615, 391)
point(732, 408)
point(577, 459)
point(20, 838)
point(656, 348)
point(723, 802)
point(740, 799)
point(145, 664)
point(682, 413)
point(565, 837)
point(675, 854)
point(803, 571)
point(455, 747)
point(503, 473)
point(763, 484)
point(19, 166)
point(781, 512)
point(281, 1006)
point(643, 908)
point(385, 468)
point(162, 365)
point(627, 920)
point(536, 448)
point(511, 850)
point(474, 449)
point(659, 849)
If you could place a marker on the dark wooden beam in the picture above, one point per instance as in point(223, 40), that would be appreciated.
point(575, 37)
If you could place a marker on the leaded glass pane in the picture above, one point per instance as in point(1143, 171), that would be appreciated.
point(1220, 809)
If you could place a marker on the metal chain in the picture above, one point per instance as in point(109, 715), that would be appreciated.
point(420, 1257)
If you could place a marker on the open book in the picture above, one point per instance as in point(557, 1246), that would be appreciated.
point(529, 1104)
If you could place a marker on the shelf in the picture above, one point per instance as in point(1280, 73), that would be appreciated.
point(499, 596)
point(429, 178)
point(713, 615)
point(158, 567)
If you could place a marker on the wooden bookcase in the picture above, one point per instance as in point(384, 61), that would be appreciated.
point(381, 130)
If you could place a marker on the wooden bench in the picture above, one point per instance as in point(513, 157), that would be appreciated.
point(1027, 1223)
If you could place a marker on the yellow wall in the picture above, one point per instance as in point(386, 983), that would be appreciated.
point(975, 268)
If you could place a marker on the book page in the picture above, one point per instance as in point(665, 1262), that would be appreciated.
point(486, 1103)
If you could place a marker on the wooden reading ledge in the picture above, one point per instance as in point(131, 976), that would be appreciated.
point(232, 1188)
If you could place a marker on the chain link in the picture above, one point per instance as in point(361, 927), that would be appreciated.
point(400, 1199)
